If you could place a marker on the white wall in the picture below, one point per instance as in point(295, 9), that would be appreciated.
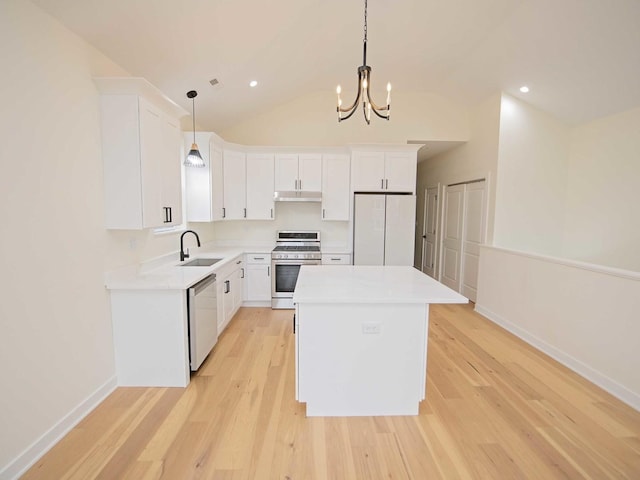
point(583, 315)
point(288, 216)
point(568, 193)
point(312, 121)
point(56, 352)
point(532, 178)
point(603, 192)
point(473, 160)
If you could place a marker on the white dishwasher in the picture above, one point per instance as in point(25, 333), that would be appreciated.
point(202, 306)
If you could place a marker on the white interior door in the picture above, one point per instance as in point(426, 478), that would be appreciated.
point(429, 235)
point(452, 236)
point(474, 230)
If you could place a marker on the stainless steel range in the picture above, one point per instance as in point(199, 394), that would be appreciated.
point(293, 249)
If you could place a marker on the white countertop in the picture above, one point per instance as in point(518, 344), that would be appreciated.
point(169, 275)
point(369, 284)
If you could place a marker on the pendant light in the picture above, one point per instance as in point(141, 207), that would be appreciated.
point(364, 84)
point(194, 159)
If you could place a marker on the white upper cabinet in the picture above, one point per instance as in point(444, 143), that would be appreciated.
point(171, 170)
point(204, 186)
point(260, 186)
point(335, 187)
point(310, 172)
point(231, 186)
point(286, 172)
point(400, 169)
point(384, 171)
point(235, 187)
point(298, 172)
point(141, 151)
point(367, 171)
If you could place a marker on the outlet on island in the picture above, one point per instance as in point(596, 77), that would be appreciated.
point(371, 327)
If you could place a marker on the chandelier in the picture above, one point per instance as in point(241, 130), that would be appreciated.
point(364, 83)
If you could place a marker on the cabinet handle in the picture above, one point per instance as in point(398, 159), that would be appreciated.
point(295, 182)
point(258, 258)
point(272, 213)
point(238, 262)
point(387, 184)
point(268, 271)
point(242, 273)
point(224, 212)
point(299, 184)
point(166, 214)
point(227, 286)
point(382, 183)
point(333, 259)
point(294, 323)
point(245, 213)
point(323, 213)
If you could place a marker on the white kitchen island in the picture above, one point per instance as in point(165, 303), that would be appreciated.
point(361, 338)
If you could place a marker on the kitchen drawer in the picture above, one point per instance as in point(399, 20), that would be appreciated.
point(336, 259)
point(259, 258)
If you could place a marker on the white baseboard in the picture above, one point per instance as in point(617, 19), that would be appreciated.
point(41, 446)
point(619, 391)
point(256, 303)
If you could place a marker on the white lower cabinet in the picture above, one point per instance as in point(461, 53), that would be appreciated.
point(230, 281)
point(150, 337)
point(257, 286)
point(336, 259)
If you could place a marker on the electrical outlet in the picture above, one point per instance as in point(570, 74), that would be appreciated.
point(371, 328)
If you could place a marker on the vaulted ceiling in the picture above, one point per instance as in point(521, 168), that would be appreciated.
point(580, 58)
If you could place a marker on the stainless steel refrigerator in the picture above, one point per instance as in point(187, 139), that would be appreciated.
point(383, 229)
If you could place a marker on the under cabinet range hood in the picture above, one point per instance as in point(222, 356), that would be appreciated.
point(297, 196)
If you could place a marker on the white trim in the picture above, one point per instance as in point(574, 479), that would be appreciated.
point(619, 391)
point(256, 303)
point(42, 445)
point(592, 267)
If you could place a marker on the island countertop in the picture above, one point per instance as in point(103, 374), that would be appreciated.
point(370, 284)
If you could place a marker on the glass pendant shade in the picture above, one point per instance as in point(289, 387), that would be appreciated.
point(194, 159)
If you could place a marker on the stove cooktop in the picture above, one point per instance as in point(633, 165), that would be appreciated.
point(296, 248)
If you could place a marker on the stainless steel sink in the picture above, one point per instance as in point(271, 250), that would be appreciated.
point(201, 262)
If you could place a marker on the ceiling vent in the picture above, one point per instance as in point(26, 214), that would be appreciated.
point(215, 83)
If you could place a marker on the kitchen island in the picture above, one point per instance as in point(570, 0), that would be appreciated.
point(361, 338)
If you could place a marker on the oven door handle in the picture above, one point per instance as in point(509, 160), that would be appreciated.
point(282, 261)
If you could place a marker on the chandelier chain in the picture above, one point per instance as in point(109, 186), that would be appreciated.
point(365, 21)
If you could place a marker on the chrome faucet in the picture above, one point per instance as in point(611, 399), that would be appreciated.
point(182, 254)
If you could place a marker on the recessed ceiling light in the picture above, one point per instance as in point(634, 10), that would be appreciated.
point(253, 83)
point(524, 89)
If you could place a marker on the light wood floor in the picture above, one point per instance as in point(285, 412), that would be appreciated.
point(495, 409)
